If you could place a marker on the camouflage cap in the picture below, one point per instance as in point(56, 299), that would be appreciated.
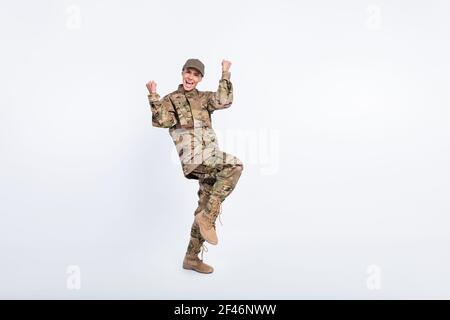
point(196, 64)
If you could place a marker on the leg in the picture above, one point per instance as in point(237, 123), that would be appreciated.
point(227, 175)
point(226, 180)
point(204, 191)
point(191, 260)
point(196, 242)
point(227, 171)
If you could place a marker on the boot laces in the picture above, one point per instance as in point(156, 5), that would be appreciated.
point(203, 248)
point(214, 215)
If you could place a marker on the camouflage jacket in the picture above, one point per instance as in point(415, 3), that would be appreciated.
point(187, 114)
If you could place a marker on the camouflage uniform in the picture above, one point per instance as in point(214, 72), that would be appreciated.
point(187, 114)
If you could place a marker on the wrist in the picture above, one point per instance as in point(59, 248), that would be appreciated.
point(153, 96)
point(226, 74)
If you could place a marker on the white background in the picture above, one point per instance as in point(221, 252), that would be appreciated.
point(341, 112)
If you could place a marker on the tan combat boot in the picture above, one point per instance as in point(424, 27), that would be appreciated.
point(192, 261)
point(206, 220)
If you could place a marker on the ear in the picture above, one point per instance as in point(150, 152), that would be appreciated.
point(200, 79)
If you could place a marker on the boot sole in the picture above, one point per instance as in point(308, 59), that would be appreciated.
point(192, 268)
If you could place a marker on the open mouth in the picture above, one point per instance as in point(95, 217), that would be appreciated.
point(188, 83)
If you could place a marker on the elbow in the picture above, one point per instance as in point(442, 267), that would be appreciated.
point(226, 103)
point(158, 123)
point(162, 125)
point(223, 105)
point(167, 124)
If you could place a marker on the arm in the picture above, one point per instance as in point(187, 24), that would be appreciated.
point(163, 114)
point(223, 97)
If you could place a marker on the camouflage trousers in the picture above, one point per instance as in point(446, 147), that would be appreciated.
point(217, 178)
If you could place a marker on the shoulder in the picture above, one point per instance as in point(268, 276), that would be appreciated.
point(171, 95)
point(205, 94)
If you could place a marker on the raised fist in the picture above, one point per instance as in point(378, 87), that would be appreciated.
point(226, 65)
point(151, 86)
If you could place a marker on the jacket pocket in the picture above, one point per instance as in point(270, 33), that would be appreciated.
point(183, 111)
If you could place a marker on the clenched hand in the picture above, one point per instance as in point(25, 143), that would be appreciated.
point(151, 86)
point(226, 65)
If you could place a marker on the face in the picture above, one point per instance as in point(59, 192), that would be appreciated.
point(191, 77)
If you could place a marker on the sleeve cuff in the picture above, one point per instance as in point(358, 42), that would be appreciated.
point(226, 75)
point(153, 97)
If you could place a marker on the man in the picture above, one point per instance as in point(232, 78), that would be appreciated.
point(187, 113)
